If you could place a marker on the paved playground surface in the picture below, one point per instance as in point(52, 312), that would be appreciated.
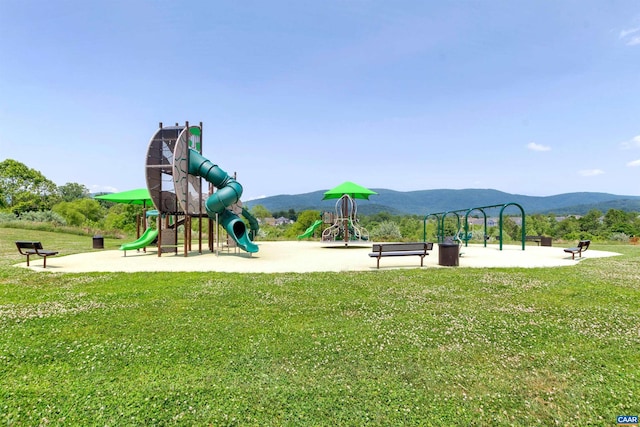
point(302, 257)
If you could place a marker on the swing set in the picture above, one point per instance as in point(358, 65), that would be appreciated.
point(462, 234)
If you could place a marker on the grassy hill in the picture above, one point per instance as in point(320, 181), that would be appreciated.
point(423, 202)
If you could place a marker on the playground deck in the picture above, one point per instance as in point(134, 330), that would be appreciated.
point(303, 257)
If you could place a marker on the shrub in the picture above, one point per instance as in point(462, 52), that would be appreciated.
point(43, 216)
point(386, 230)
point(619, 237)
point(7, 217)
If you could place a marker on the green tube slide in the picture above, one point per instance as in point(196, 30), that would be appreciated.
point(311, 229)
point(229, 192)
point(145, 240)
point(253, 223)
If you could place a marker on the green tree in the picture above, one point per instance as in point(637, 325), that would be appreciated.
point(540, 225)
point(635, 223)
point(305, 220)
point(24, 189)
point(618, 221)
point(568, 228)
point(260, 212)
point(511, 229)
point(72, 191)
point(452, 226)
point(411, 227)
point(80, 212)
point(591, 222)
point(122, 217)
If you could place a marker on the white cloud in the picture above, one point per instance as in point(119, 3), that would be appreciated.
point(538, 147)
point(591, 172)
point(625, 33)
point(629, 37)
point(633, 142)
point(634, 163)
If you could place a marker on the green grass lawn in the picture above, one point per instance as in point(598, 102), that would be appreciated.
point(507, 346)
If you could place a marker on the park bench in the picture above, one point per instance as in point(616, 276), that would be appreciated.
point(34, 248)
point(401, 249)
point(583, 245)
point(545, 241)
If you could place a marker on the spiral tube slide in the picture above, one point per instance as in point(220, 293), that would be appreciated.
point(229, 192)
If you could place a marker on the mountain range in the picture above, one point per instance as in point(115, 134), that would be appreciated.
point(423, 202)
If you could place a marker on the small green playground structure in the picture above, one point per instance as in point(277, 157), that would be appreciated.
point(147, 238)
point(312, 228)
point(343, 225)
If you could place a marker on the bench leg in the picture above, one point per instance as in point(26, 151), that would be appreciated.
point(27, 260)
point(421, 260)
point(378, 265)
point(44, 265)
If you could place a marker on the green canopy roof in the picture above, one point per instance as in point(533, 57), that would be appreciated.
point(139, 196)
point(354, 190)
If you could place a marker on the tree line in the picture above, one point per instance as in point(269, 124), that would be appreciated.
point(27, 194)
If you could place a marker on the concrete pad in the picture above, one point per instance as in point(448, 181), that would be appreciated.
point(302, 257)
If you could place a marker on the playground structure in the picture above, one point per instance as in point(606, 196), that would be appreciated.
point(462, 233)
point(175, 168)
point(344, 226)
point(147, 238)
point(312, 228)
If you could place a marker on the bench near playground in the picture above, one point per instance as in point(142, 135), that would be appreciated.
point(401, 249)
point(583, 245)
point(34, 248)
point(545, 241)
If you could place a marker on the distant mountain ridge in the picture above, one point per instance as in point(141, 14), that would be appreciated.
point(423, 202)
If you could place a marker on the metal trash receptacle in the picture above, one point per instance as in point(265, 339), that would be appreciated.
point(448, 254)
point(98, 242)
point(545, 241)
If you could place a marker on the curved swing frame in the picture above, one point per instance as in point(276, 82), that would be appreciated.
point(440, 217)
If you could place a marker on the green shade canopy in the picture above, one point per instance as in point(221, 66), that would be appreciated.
point(139, 196)
point(354, 190)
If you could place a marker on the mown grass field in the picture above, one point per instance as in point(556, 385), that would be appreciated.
point(553, 346)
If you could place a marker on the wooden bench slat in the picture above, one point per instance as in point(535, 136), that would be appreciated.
point(583, 245)
point(380, 250)
point(29, 248)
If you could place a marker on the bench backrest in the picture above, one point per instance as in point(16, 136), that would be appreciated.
point(29, 245)
point(584, 245)
point(399, 247)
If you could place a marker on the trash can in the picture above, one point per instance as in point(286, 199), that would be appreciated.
point(545, 241)
point(98, 242)
point(448, 254)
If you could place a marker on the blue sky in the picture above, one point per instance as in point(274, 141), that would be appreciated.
point(530, 97)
